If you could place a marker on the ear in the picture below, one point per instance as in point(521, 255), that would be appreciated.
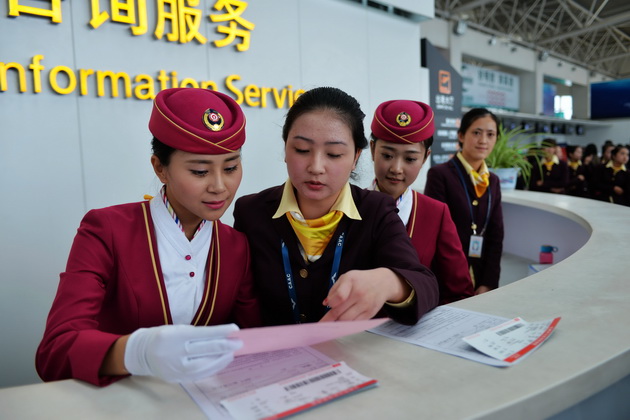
point(158, 168)
point(356, 159)
point(372, 148)
point(426, 156)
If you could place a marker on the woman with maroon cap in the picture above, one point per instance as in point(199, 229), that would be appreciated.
point(323, 249)
point(473, 196)
point(145, 281)
point(402, 134)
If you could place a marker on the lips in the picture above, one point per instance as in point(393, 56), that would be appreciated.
point(214, 205)
point(314, 185)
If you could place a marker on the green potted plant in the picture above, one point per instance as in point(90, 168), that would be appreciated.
point(513, 154)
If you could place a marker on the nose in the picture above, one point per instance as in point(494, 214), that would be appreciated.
point(316, 163)
point(216, 183)
point(395, 166)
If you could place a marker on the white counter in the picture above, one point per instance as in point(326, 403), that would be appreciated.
point(589, 351)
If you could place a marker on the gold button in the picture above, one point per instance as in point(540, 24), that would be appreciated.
point(475, 202)
point(303, 273)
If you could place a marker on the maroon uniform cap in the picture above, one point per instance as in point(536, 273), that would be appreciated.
point(198, 121)
point(403, 121)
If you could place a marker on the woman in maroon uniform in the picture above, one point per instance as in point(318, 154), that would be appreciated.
point(402, 134)
point(146, 281)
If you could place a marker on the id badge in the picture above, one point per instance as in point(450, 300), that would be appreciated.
point(476, 244)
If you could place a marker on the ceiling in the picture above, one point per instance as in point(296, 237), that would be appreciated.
point(594, 34)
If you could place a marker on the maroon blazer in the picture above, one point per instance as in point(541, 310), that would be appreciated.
point(445, 184)
point(113, 285)
point(435, 238)
point(378, 240)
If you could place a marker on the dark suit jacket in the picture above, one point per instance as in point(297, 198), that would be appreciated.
point(378, 240)
point(557, 177)
point(113, 285)
point(444, 184)
point(604, 181)
point(434, 235)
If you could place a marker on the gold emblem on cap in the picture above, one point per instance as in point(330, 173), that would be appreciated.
point(403, 119)
point(213, 119)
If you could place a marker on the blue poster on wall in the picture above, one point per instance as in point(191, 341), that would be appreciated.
point(610, 99)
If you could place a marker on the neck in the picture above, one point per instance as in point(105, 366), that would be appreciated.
point(314, 209)
point(475, 163)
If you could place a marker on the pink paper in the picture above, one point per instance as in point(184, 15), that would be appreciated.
point(258, 340)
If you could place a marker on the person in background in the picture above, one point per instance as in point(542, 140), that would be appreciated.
point(607, 148)
point(577, 181)
point(610, 181)
point(154, 287)
point(402, 134)
point(553, 174)
point(473, 196)
point(590, 161)
point(323, 249)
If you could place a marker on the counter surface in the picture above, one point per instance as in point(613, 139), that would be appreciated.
point(589, 351)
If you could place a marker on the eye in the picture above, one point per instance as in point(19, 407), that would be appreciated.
point(230, 169)
point(411, 160)
point(334, 155)
point(198, 173)
point(386, 156)
point(301, 151)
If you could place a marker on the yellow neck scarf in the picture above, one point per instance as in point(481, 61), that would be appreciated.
point(481, 179)
point(615, 168)
point(549, 163)
point(575, 165)
point(314, 234)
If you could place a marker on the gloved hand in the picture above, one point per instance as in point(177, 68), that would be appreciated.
point(180, 353)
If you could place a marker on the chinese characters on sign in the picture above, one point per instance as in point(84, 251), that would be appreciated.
point(176, 20)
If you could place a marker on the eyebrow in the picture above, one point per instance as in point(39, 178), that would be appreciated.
point(393, 149)
point(210, 162)
point(332, 142)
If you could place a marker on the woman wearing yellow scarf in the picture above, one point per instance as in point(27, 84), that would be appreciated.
point(473, 196)
point(323, 249)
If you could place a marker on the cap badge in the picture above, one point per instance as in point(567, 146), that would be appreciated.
point(213, 120)
point(403, 119)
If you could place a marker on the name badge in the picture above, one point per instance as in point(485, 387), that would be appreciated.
point(476, 244)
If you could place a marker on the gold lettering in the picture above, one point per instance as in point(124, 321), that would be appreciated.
point(251, 92)
point(54, 13)
point(279, 99)
point(98, 17)
point(209, 84)
point(72, 80)
point(20, 72)
point(234, 89)
point(188, 82)
point(263, 96)
point(37, 68)
point(114, 77)
point(83, 80)
point(174, 79)
point(163, 79)
point(145, 90)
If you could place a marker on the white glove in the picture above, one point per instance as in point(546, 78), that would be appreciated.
point(180, 353)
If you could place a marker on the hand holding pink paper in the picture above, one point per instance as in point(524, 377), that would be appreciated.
point(258, 340)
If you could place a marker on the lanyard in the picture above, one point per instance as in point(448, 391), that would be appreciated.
point(472, 218)
point(288, 273)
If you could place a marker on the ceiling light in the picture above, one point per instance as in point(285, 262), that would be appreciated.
point(543, 56)
point(460, 27)
point(493, 40)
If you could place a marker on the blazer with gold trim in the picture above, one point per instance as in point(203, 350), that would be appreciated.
point(434, 236)
point(113, 285)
